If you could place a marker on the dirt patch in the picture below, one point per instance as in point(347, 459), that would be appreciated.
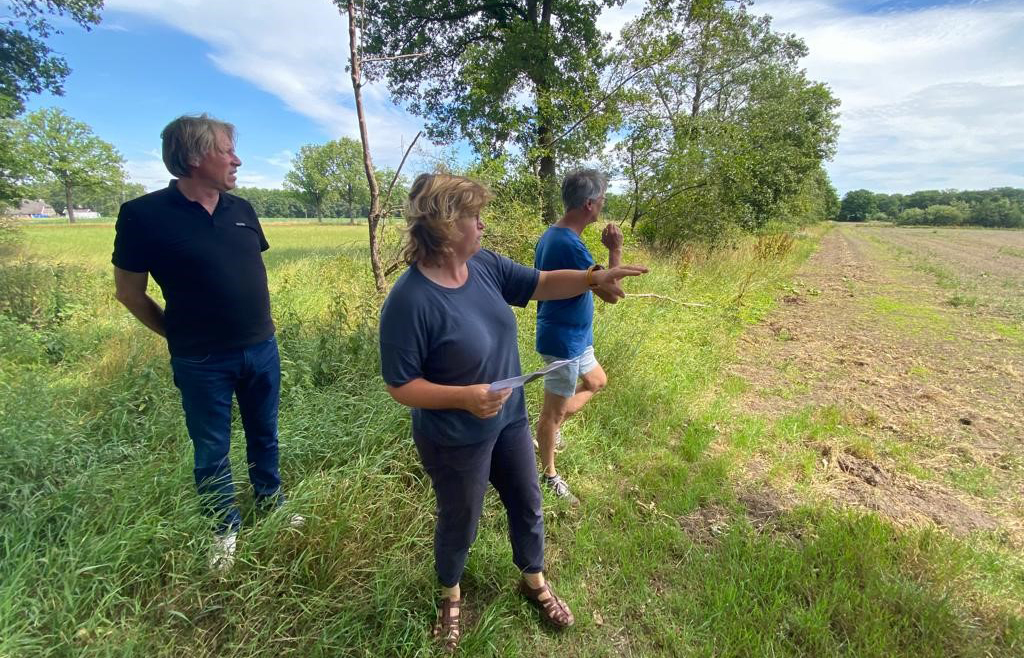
point(927, 394)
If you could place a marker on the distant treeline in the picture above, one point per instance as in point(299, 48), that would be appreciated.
point(998, 207)
point(287, 203)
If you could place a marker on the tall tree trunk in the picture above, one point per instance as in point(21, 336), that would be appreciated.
point(351, 216)
point(373, 217)
point(545, 132)
point(70, 208)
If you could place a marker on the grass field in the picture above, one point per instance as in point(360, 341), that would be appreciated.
point(708, 524)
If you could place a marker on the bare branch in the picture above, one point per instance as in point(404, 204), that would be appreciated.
point(388, 59)
point(668, 299)
point(391, 187)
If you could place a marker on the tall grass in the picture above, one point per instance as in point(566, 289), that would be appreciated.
point(103, 553)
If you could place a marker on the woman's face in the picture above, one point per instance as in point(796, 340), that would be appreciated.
point(471, 229)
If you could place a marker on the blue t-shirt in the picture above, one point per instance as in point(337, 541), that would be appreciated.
point(457, 337)
point(565, 327)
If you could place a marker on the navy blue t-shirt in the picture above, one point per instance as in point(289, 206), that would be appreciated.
point(457, 337)
point(565, 327)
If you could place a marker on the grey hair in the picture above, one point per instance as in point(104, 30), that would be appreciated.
point(188, 139)
point(581, 186)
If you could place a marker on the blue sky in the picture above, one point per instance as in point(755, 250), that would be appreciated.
point(932, 92)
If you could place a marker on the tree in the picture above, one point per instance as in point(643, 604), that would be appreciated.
point(323, 173)
point(379, 209)
point(722, 130)
point(857, 206)
point(66, 151)
point(29, 66)
point(466, 66)
point(14, 166)
point(104, 199)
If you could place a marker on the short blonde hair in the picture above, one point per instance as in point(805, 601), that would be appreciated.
point(435, 202)
point(188, 139)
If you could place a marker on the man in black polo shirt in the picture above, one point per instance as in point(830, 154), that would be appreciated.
point(203, 248)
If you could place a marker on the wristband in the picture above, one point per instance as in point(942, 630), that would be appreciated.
point(590, 276)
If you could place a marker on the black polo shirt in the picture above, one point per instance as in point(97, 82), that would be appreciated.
point(209, 267)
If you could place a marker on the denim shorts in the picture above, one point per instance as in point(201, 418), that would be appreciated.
point(563, 380)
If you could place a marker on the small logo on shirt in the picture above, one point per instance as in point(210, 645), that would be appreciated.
point(240, 224)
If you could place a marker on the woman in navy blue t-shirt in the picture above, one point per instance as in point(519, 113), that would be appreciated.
point(446, 333)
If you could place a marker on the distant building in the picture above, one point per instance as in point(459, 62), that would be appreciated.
point(37, 208)
point(83, 213)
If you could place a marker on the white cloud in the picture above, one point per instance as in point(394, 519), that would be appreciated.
point(294, 51)
point(281, 160)
point(930, 97)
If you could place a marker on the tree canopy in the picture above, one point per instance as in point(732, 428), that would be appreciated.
point(721, 126)
point(67, 152)
point(516, 72)
point(29, 65)
point(326, 173)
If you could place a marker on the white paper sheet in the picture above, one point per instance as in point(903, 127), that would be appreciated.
point(524, 379)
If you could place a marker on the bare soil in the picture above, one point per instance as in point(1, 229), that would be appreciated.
point(929, 393)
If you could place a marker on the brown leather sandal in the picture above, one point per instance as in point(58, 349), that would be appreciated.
point(553, 610)
point(446, 628)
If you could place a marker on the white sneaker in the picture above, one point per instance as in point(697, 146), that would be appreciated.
point(222, 553)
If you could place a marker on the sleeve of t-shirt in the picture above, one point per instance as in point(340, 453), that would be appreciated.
point(578, 256)
point(130, 250)
point(517, 282)
point(403, 341)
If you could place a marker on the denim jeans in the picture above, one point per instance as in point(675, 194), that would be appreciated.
point(207, 383)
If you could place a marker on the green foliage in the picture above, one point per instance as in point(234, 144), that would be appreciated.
point(330, 173)
point(998, 207)
point(29, 65)
point(857, 206)
point(105, 199)
point(66, 152)
point(468, 65)
point(723, 130)
point(14, 166)
point(513, 218)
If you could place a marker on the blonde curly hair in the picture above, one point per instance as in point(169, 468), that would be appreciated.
point(435, 202)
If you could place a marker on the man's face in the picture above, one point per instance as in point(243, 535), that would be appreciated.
point(217, 168)
point(595, 206)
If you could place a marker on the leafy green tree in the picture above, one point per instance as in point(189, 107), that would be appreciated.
point(67, 152)
point(910, 217)
point(722, 128)
point(924, 198)
point(889, 204)
point(29, 65)
point(857, 206)
point(105, 199)
point(324, 173)
point(950, 214)
point(468, 66)
point(998, 211)
point(15, 168)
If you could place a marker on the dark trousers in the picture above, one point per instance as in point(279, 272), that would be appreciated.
point(207, 384)
point(460, 475)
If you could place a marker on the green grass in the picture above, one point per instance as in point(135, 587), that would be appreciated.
point(102, 552)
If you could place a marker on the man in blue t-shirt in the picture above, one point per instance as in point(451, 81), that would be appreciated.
point(565, 327)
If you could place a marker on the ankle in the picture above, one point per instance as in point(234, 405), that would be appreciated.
point(534, 580)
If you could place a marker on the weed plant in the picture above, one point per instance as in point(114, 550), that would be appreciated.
point(103, 552)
